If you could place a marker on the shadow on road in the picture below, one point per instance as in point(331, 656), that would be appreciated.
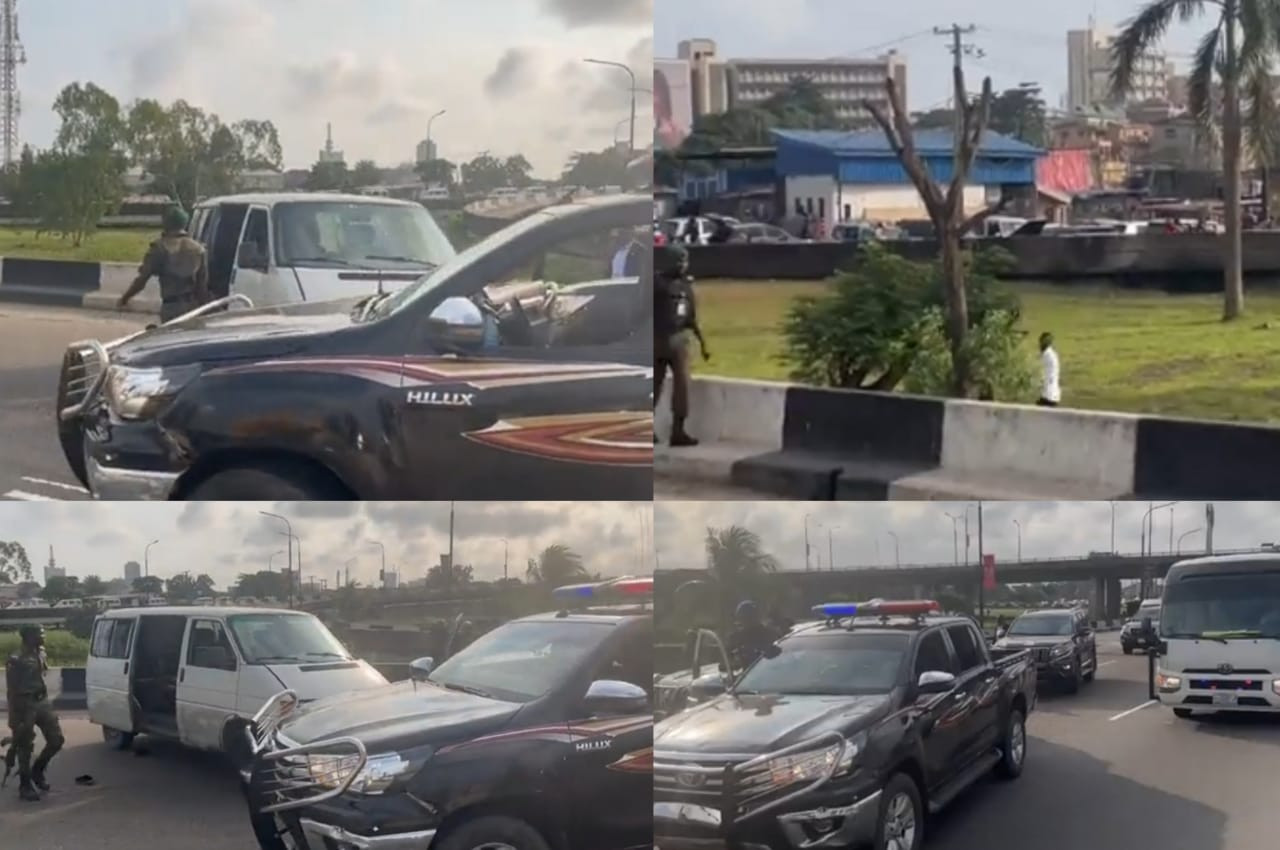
point(1068, 800)
point(1242, 726)
point(1102, 694)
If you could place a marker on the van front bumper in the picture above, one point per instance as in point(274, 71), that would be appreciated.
point(1205, 692)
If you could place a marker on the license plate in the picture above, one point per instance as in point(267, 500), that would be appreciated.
point(1224, 699)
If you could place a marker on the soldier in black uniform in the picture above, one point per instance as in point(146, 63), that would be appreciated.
point(675, 316)
point(29, 709)
point(180, 263)
point(751, 636)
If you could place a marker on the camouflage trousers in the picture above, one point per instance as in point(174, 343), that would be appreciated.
point(24, 720)
point(173, 308)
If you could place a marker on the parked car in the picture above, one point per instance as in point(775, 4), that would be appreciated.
point(844, 735)
point(1132, 634)
point(538, 734)
point(1061, 642)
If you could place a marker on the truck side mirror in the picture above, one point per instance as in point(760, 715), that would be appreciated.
point(708, 687)
point(458, 321)
point(935, 682)
point(614, 697)
point(420, 668)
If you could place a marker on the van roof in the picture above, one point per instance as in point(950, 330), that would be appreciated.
point(1249, 562)
point(272, 198)
point(198, 610)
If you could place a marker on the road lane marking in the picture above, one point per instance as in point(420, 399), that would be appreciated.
point(72, 487)
point(1146, 704)
point(1105, 663)
point(24, 496)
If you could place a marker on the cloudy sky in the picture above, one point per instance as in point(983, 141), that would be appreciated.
point(859, 532)
point(509, 72)
point(225, 539)
point(1024, 40)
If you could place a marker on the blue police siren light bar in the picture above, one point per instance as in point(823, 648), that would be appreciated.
point(836, 609)
point(576, 591)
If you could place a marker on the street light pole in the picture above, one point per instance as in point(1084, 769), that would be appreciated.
point(506, 556)
point(146, 557)
point(382, 576)
point(806, 543)
point(289, 531)
point(981, 589)
point(631, 145)
point(1019, 525)
point(430, 121)
point(897, 552)
point(831, 559)
point(1183, 536)
point(955, 537)
point(1113, 528)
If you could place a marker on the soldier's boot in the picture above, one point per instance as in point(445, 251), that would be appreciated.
point(37, 777)
point(679, 436)
point(27, 792)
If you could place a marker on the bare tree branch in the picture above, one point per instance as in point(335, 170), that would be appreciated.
point(898, 132)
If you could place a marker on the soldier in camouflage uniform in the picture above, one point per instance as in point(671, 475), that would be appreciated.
point(29, 709)
point(182, 265)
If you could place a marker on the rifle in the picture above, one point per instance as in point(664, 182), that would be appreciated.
point(10, 759)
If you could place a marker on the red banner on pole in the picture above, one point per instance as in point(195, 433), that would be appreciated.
point(989, 572)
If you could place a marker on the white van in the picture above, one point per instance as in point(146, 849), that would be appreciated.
point(1220, 630)
point(197, 674)
point(291, 247)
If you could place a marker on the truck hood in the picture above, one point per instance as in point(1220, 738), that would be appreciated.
point(760, 724)
point(236, 334)
point(313, 681)
point(399, 716)
point(1032, 642)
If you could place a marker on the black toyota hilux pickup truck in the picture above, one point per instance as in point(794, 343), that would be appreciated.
point(845, 734)
point(520, 369)
point(537, 736)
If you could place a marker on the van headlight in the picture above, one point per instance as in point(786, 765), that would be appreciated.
point(1166, 683)
point(142, 393)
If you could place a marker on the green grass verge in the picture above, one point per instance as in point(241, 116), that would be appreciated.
point(1140, 352)
point(63, 648)
point(106, 246)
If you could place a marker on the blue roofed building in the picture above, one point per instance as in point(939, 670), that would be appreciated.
point(839, 176)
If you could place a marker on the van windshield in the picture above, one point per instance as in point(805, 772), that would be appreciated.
point(338, 234)
point(284, 639)
point(1222, 606)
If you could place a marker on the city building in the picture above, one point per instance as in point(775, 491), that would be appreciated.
point(52, 570)
point(845, 83)
point(1112, 143)
point(132, 572)
point(709, 76)
point(854, 176)
point(261, 180)
point(1089, 66)
point(329, 153)
point(426, 151)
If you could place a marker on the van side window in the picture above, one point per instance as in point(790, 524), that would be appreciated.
point(120, 639)
point(210, 647)
point(255, 232)
point(102, 638)
point(967, 651)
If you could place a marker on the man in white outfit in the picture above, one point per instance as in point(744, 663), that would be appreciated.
point(1050, 391)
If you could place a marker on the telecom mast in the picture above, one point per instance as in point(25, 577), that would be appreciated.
point(11, 56)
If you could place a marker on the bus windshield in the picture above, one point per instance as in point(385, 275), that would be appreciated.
point(1222, 606)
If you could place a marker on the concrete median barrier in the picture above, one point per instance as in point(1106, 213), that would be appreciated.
point(60, 283)
point(849, 444)
point(66, 687)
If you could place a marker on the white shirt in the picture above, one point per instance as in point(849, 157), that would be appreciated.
point(1049, 389)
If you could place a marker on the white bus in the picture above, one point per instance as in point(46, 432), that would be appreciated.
point(1220, 623)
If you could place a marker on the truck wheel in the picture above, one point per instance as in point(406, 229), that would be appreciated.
point(1014, 745)
point(271, 481)
point(494, 832)
point(1073, 684)
point(901, 818)
point(1088, 677)
point(1184, 713)
point(1128, 650)
point(116, 739)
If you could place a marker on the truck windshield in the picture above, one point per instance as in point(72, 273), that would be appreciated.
point(284, 639)
point(332, 234)
point(521, 661)
point(837, 663)
point(1222, 605)
point(1042, 624)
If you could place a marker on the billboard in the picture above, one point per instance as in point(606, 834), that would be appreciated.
point(672, 102)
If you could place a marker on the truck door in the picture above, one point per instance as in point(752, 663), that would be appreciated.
point(207, 684)
point(980, 682)
point(253, 273)
point(611, 763)
point(107, 676)
point(943, 715)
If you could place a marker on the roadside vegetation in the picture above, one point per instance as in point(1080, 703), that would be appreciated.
point(63, 648)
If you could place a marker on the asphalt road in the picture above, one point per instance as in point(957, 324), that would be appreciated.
point(1106, 770)
point(667, 489)
point(171, 798)
point(32, 340)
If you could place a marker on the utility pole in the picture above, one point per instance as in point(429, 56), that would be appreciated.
point(981, 567)
point(959, 49)
point(806, 543)
point(451, 536)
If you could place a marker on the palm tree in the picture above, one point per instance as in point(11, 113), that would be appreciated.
point(735, 556)
point(1238, 49)
point(556, 565)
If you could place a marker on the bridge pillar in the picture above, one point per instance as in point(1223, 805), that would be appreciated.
point(1114, 598)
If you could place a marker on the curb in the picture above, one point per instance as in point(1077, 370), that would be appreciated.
point(68, 283)
point(817, 443)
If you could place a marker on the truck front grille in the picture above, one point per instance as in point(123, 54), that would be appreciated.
point(84, 367)
point(303, 776)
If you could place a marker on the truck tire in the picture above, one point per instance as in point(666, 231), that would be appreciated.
point(494, 832)
point(1184, 713)
point(1073, 684)
point(1014, 745)
point(1093, 670)
point(1128, 650)
point(278, 481)
point(116, 739)
point(900, 823)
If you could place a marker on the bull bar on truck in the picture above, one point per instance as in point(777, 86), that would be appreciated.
point(84, 365)
point(735, 793)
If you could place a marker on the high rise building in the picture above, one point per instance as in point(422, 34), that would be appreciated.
point(709, 76)
point(1089, 66)
point(845, 83)
point(426, 151)
point(132, 571)
point(52, 570)
point(329, 153)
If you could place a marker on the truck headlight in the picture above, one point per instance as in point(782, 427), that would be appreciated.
point(331, 771)
point(1061, 651)
point(1167, 683)
point(815, 764)
point(142, 393)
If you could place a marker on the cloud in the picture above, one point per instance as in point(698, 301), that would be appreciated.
point(516, 72)
point(589, 13)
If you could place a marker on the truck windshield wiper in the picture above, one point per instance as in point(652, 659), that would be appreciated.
point(328, 655)
point(466, 689)
point(1225, 634)
point(335, 260)
point(268, 658)
point(392, 258)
